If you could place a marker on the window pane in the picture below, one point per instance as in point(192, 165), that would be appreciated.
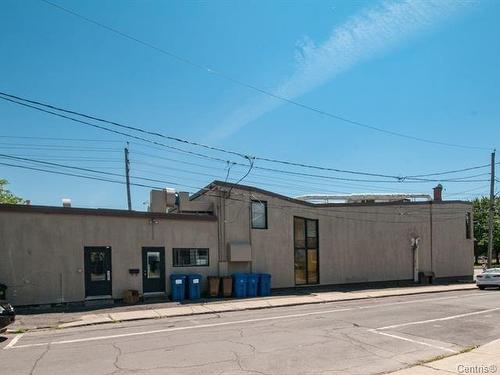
point(300, 266)
point(312, 266)
point(97, 271)
point(190, 257)
point(300, 232)
point(259, 215)
point(311, 228)
point(202, 258)
point(153, 271)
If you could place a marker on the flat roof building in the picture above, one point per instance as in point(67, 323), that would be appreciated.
point(67, 254)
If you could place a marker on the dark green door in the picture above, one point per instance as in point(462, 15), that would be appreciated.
point(153, 269)
point(97, 271)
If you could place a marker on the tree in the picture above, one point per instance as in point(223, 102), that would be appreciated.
point(6, 196)
point(481, 208)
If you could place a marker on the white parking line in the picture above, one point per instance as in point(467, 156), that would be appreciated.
point(13, 341)
point(377, 330)
point(174, 329)
point(413, 341)
point(438, 319)
point(97, 338)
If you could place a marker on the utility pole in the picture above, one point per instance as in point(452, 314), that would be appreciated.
point(127, 175)
point(491, 212)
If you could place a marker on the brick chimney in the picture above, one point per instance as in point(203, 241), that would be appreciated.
point(438, 193)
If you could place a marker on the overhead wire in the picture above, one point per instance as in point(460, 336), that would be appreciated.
point(257, 89)
point(445, 216)
point(18, 100)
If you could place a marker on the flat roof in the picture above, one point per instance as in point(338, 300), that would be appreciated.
point(24, 208)
point(218, 183)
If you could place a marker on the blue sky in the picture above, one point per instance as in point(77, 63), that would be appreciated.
point(420, 68)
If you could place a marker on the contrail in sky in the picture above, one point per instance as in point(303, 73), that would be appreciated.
point(369, 33)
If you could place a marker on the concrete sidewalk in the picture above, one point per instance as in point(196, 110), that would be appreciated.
point(483, 360)
point(156, 311)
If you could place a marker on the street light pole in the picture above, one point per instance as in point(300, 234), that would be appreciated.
point(127, 176)
point(491, 212)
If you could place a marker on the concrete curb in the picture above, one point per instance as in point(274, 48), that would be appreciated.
point(252, 304)
point(482, 360)
point(247, 304)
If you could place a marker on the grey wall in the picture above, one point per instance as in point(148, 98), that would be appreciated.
point(358, 243)
point(38, 251)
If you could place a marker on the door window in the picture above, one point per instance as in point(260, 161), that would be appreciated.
point(154, 265)
point(97, 269)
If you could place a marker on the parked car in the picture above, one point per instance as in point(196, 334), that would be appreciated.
point(488, 278)
point(7, 316)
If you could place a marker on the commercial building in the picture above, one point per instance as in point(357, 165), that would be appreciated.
point(66, 254)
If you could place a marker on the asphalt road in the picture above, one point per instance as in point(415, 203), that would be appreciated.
point(357, 337)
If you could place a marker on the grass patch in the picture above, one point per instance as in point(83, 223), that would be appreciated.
point(442, 356)
point(20, 330)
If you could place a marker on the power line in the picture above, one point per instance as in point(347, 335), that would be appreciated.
point(110, 130)
point(22, 101)
point(76, 175)
point(128, 127)
point(92, 170)
point(445, 216)
point(450, 172)
point(61, 139)
point(34, 103)
point(257, 89)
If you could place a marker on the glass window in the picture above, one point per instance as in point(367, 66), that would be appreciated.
point(312, 266)
point(153, 271)
point(300, 266)
point(306, 251)
point(190, 257)
point(299, 233)
point(97, 272)
point(312, 233)
point(259, 215)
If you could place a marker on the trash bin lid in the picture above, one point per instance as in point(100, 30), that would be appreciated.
point(177, 276)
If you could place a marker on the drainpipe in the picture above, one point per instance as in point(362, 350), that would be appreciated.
point(431, 224)
point(252, 264)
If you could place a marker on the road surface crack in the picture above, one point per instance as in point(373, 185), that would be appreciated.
point(40, 357)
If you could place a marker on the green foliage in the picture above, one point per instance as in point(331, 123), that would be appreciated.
point(6, 196)
point(481, 207)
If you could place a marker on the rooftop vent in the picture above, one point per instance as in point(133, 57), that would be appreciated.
point(66, 202)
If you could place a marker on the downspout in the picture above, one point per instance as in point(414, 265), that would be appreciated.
point(218, 234)
point(431, 233)
point(252, 265)
point(224, 247)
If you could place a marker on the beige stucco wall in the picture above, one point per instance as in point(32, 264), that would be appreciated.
point(42, 256)
point(362, 243)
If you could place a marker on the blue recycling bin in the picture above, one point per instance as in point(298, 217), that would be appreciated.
point(252, 284)
point(240, 285)
point(264, 284)
point(178, 287)
point(194, 286)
